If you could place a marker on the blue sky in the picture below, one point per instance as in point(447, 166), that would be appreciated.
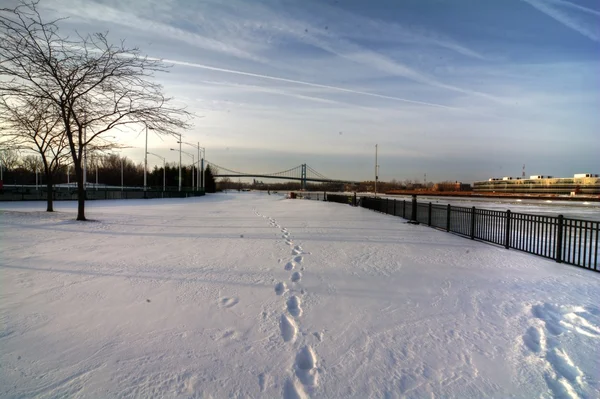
point(458, 89)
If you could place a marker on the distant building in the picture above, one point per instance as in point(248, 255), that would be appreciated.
point(451, 186)
point(580, 183)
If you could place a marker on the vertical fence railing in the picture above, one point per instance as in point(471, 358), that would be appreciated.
point(572, 241)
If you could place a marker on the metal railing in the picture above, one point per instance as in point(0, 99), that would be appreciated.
point(565, 240)
point(70, 194)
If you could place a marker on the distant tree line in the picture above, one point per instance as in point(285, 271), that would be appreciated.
point(21, 170)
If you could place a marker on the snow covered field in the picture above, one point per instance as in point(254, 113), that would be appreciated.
point(247, 295)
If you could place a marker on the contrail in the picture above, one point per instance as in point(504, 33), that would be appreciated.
point(299, 82)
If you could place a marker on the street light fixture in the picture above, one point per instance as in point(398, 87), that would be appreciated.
point(164, 169)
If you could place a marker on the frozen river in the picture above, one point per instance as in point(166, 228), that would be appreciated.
point(586, 210)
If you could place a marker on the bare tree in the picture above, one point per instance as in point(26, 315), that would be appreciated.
point(95, 86)
point(34, 125)
point(9, 158)
point(31, 163)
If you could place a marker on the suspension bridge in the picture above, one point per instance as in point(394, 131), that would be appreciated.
point(302, 173)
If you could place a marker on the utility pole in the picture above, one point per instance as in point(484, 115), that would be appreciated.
point(122, 185)
point(376, 169)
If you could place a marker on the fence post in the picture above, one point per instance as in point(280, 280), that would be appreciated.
point(448, 218)
point(429, 215)
point(387, 206)
point(354, 200)
point(404, 209)
point(394, 207)
point(559, 239)
point(507, 233)
point(324, 196)
point(413, 211)
point(473, 223)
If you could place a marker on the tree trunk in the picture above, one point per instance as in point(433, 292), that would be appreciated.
point(80, 192)
point(50, 204)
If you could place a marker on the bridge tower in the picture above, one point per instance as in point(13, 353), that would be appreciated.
point(303, 176)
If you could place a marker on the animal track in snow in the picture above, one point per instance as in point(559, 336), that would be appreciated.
point(306, 370)
point(290, 265)
point(293, 306)
point(288, 328)
point(288, 242)
point(296, 252)
point(281, 288)
point(228, 302)
point(296, 277)
point(298, 259)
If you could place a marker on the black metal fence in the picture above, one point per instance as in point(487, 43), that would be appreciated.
point(571, 241)
point(341, 199)
point(70, 194)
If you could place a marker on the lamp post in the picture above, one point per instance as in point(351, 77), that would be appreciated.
point(146, 155)
point(179, 142)
point(84, 150)
point(200, 171)
point(193, 162)
point(164, 169)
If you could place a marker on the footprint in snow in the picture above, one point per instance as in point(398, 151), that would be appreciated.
point(228, 302)
point(293, 306)
point(296, 277)
point(288, 328)
point(306, 367)
point(289, 266)
point(281, 288)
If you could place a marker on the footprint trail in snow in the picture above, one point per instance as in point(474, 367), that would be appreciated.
point(304, 371)
point(563, 377)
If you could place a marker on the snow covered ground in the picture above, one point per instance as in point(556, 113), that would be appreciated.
point(250, 295)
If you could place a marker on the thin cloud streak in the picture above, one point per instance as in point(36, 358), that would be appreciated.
point(576, 6)
point(299, 82)
point(565, 19)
